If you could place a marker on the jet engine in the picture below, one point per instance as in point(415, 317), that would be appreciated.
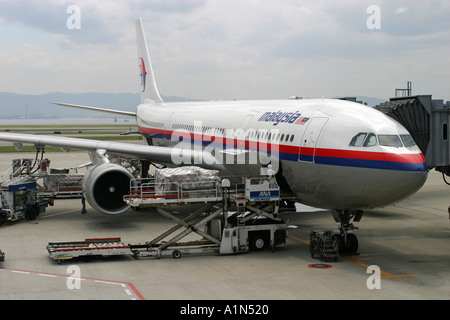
point(104, 187)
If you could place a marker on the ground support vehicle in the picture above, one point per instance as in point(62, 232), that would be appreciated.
point(252, 225)
point(89, 247)
point(324, 244)
point(29, 186)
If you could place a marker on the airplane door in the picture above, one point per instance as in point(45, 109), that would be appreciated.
point(310, 138)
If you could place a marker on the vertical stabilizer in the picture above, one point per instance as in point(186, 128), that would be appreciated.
point(149, 91)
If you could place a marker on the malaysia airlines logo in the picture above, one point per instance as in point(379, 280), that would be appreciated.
point(302, 120)
point(284, 117)
point(143, 73)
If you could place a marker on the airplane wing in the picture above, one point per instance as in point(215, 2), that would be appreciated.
point(124, 113)
point(152, 153)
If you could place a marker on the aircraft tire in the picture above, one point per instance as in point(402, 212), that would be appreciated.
point(351, 246)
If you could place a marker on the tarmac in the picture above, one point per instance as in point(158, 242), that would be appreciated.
point(407, 245)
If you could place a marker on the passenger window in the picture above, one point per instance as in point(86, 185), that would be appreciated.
point(389, 140)
point(370, 141)
point(358, 140)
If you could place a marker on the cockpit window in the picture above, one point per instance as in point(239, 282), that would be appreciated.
point(390, 140)
point(358, 140)
point(408, 141)
point(364, 140)
point(370, 141)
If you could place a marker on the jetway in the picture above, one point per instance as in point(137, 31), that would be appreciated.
point(428, 121)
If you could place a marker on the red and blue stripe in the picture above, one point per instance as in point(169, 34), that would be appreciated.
point(324, 156)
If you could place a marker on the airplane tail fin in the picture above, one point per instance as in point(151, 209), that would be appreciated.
point(149, 91)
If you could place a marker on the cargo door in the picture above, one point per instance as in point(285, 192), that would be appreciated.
point(310, 137)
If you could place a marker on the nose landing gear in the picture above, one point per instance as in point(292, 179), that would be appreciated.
point(348, 242)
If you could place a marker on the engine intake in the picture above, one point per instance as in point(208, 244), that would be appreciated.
point(104, 187)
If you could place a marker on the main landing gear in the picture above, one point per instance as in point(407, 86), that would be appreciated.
point(348, 242)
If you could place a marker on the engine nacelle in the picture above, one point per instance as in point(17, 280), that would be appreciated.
point(104, 187)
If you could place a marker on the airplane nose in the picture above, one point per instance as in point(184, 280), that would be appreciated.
point(403, 184)
point(409, 172)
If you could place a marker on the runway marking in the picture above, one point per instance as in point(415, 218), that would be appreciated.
point(46, 216)
point(132, 289)
point(357, 261)
point(107, 282)
point(18, 271)
point(441, 212)
point(47, 275)
point(298, 239)
point(64, 212)
point(385, 274)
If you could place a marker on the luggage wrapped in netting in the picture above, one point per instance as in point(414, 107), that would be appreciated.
point(193, 182)
point(59, 182)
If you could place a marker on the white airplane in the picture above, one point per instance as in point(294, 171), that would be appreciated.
point(329, 153)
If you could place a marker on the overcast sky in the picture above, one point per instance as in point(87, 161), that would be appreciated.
point(228, 49)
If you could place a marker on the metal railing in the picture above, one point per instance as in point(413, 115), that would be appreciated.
point(147, 189)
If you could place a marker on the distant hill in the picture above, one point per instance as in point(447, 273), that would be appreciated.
point(19, 106)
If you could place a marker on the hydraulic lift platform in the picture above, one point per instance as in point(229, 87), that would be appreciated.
point(253, 226)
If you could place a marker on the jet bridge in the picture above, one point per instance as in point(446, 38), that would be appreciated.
point(428, 121)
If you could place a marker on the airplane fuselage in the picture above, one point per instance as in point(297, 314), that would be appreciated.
point(333, 154)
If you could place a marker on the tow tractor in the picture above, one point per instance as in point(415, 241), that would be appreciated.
point(31, 186)
point(324, 244)
point(252, 225)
